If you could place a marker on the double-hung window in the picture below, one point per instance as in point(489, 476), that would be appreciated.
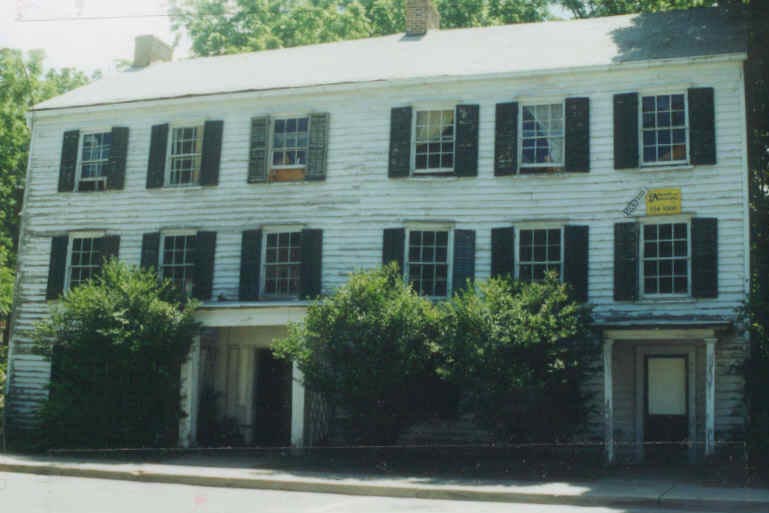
point(664, 129)
point(84, 260)
point(94, 161)
point(428, 262)
point(542, 135)
point(177, 260)
point(290, 140)
point(665, 256)
point(434, 141)
point(540, 251)
point(185, 155)
point(282, 264)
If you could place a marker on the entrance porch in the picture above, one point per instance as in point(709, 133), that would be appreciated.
point(659, 391)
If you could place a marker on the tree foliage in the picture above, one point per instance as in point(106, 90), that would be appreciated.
point(218, 28)
point(117, 344)
point(520, 353)
point(368, 349)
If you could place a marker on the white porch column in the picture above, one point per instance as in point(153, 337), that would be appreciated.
point(710, 396)
point(608, 398)
point(190, 378)
point(297, 407)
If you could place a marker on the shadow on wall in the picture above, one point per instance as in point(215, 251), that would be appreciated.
point(686, 33)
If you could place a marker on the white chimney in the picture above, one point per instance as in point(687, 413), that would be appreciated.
point(421, 16)
point(149, 49)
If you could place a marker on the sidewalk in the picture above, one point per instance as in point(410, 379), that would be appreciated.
point(624, 489)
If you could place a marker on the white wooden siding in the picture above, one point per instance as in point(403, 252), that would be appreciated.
point(357, 200)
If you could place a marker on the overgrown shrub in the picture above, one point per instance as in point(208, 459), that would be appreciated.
point(519, 352)
point(117, 344)
point(369, 349)
point(756, 317)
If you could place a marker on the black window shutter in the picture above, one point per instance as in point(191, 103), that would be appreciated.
point(393, 246)
point(702, 126)
point(317, 155)
point(625, 261)
point(503, 252)
point(205, 251)
point(464, 258)
point(466, 149)
point(258, 152)
point(212, 152)
point(705, 257)
point(506, 139)
point(58, 266)
point(250, 265)
point(69, 145)
point(576, 251)
point(150, 258)
point(400, 142)
point(118, 155)
point(109, 247)
point(577, 136)
point(156, 167)
point(312, 263)
point(625, 131)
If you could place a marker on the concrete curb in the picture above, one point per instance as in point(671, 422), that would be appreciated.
point(445, 492)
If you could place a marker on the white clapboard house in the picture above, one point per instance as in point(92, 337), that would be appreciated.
point(611, 150)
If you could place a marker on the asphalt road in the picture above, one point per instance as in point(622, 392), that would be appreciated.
point(27, 493)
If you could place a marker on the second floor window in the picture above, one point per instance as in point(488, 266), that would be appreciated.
point(282, 264)
point(84, 260)
point(290, 139)
point(428, 262)
point(664, 129)
point(434, 141)
point(94, 161)
point(184, 156)
point(542, 135)
point(539, 251)
point(665, 258)
point(177, 260)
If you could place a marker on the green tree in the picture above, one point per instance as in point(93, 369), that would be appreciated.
point(117, 343)
point(218, 28)
point(520, 353)
point(368, 349)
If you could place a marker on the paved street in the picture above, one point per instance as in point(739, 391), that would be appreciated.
point(51, 494)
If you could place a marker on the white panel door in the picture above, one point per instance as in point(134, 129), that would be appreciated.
point(667, 386)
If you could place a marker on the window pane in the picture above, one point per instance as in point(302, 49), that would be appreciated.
point(542, 135)
point(660, 114)
point(434, 140)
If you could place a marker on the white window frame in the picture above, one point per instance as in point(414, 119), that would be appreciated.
point(687, 129)
point(420, 227)
point(70, 246)
point(169, 149)
point(263, 260)
point(79, 167)
point(537, 226)
point(271, 145)
point(535, 103)
point(641, 257)
point(431, 108)
point(171, 233)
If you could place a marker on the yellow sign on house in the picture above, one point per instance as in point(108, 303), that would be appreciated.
point(663, 202)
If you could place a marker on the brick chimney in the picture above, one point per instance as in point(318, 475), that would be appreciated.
point(149, 49)
point(421, 16)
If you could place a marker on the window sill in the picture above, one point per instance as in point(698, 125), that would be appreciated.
point(665, 300)
point(671, 167)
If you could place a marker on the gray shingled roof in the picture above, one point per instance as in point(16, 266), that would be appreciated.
point(530, 47)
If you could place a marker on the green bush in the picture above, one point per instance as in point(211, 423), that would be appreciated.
point(369, 349)
point(756, 317)
point(519, 353)
point(117, 344)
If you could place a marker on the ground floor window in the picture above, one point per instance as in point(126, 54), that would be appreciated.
point(428, 262)
point(539, 251)
point(84, 261)
point(282, 264)
point(665, 257)
point(178, 260)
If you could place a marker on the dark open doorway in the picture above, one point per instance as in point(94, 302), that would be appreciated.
point(272, 411)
